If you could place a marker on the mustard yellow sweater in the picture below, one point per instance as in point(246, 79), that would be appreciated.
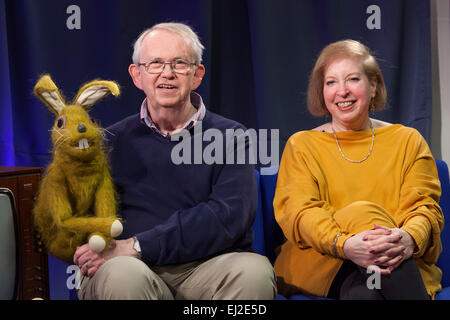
point(315, 181)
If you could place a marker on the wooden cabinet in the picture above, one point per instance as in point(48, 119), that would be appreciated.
point(33, 260)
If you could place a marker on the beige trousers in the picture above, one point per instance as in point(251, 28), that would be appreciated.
point(230, 276)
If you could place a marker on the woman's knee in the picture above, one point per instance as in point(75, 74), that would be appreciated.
point(359, 216)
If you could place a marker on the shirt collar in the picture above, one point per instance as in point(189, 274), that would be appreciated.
point(196, 101)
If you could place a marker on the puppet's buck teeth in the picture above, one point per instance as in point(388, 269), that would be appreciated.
point(83, 144)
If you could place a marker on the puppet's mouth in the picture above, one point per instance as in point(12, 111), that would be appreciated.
point(82, 144)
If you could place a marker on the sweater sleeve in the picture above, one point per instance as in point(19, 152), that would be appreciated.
point(210, 227)
point(419, 213)
point(304, 217)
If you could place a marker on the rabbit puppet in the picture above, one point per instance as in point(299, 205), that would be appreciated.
point(76, 201)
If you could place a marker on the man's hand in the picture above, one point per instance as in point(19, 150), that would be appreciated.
point(89, 262)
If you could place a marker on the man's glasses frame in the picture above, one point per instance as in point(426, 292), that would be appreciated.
point(157, 66)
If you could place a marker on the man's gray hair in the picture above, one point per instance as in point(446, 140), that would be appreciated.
point(181, 29)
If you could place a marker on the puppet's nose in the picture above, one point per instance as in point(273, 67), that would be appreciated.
point(81, 128)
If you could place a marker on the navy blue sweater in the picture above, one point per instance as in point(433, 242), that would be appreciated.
point(184, 212)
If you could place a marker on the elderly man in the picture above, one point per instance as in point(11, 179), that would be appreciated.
point(186, 226)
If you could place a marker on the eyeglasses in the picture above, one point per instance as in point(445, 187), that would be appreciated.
point(157, 66)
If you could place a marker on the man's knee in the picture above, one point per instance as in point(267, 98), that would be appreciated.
point(251, 276)
point(127, 278)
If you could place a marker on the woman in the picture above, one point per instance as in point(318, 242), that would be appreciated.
point(357, 192)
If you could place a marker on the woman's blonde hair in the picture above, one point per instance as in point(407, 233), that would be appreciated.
point(345, 48)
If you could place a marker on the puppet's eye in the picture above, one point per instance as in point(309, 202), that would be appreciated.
point(61, 122)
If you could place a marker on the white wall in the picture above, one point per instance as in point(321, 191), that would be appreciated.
point(440, 51)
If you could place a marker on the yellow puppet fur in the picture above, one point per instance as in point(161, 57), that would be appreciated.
point(76, 197)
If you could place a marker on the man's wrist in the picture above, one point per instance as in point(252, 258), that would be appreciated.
point(137, 248)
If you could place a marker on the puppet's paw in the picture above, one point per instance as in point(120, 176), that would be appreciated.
point(97, 243)
point(116, 229)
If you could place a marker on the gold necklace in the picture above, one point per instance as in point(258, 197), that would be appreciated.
point(343, 155)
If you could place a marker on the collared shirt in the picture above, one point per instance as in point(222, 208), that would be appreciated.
point(196, 101)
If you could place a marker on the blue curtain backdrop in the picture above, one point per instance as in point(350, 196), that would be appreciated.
point(258, 57)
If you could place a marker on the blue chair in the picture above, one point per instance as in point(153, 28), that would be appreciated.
point(258, 224)
point(444, 259)
point(273, 237)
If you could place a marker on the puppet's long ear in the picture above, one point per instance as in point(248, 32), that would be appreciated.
point(95, 90)
point(46, 90)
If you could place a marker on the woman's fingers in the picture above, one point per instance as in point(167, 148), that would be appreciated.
point(395, 251)
point(386, 247)
point(382, 271)
point(375, 233)
point(391, 264)
point(382, 244)
point(384, 260)
point(378, 227)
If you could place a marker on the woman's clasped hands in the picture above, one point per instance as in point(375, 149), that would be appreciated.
point(383, 247)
